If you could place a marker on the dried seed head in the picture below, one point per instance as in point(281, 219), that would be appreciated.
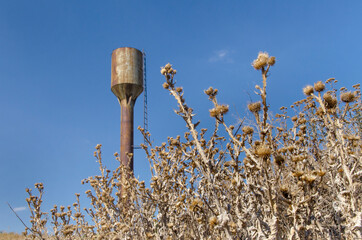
point(212, 221)
point(163, 71)
point(279, 159)
point(347, 97)
point(298, 158)
point(209, 91)
point(98, 146)
point(165, 85)
point(319, 86)
point(254, 107)
point(223, 108)
point(230, 163)
point(247, 130)
point(308, 90)
point(261, 61)
point(168, 66)
point(330, 101)
point(219, 109)
point(309, 178)
point(271, 61)
point(195, 204)
point(263, 151)
point(285, 192)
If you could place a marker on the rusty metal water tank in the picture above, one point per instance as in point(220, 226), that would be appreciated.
point(127, 85)
point(127, 72)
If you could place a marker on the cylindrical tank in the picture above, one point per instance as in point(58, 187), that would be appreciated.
point(127, 85)
point(127, 73)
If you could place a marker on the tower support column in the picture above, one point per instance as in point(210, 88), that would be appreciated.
point(126, 153)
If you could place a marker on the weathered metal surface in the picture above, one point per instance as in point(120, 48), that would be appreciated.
point(127, 85)
point(127, 73)
point(127, 132)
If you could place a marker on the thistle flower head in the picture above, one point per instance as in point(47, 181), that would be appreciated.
point(308, 90)
point(319, 86)
point(271, 61)
point(330, 101)
point(254, 107)
point(263, 151)
point(261, 61)
point(211, 92)
point(219, 110)
point(247, 130)
point(347, 97)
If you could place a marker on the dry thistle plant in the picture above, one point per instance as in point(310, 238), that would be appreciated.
point(295, 175)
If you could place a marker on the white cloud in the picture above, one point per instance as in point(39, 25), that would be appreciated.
point(221, 55)
point(19, 209)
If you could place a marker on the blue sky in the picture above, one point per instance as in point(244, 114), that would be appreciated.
point(55, 62)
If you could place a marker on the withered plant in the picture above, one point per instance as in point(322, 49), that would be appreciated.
point(295, 175)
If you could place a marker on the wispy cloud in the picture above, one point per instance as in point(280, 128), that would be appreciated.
point(19, 209)
point(221, 55)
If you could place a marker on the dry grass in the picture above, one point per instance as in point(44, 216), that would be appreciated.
point(11, 236)
point(295, 175)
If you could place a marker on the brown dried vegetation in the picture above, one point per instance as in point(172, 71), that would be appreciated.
point(283, 178)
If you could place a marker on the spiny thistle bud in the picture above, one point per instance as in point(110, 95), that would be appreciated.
point(347, 97)
point(98, 146)
point(254, 107)
point(319, 86)
point(211, 92)
point(308, 90)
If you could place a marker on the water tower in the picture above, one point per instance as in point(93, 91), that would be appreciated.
point(127, 85)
